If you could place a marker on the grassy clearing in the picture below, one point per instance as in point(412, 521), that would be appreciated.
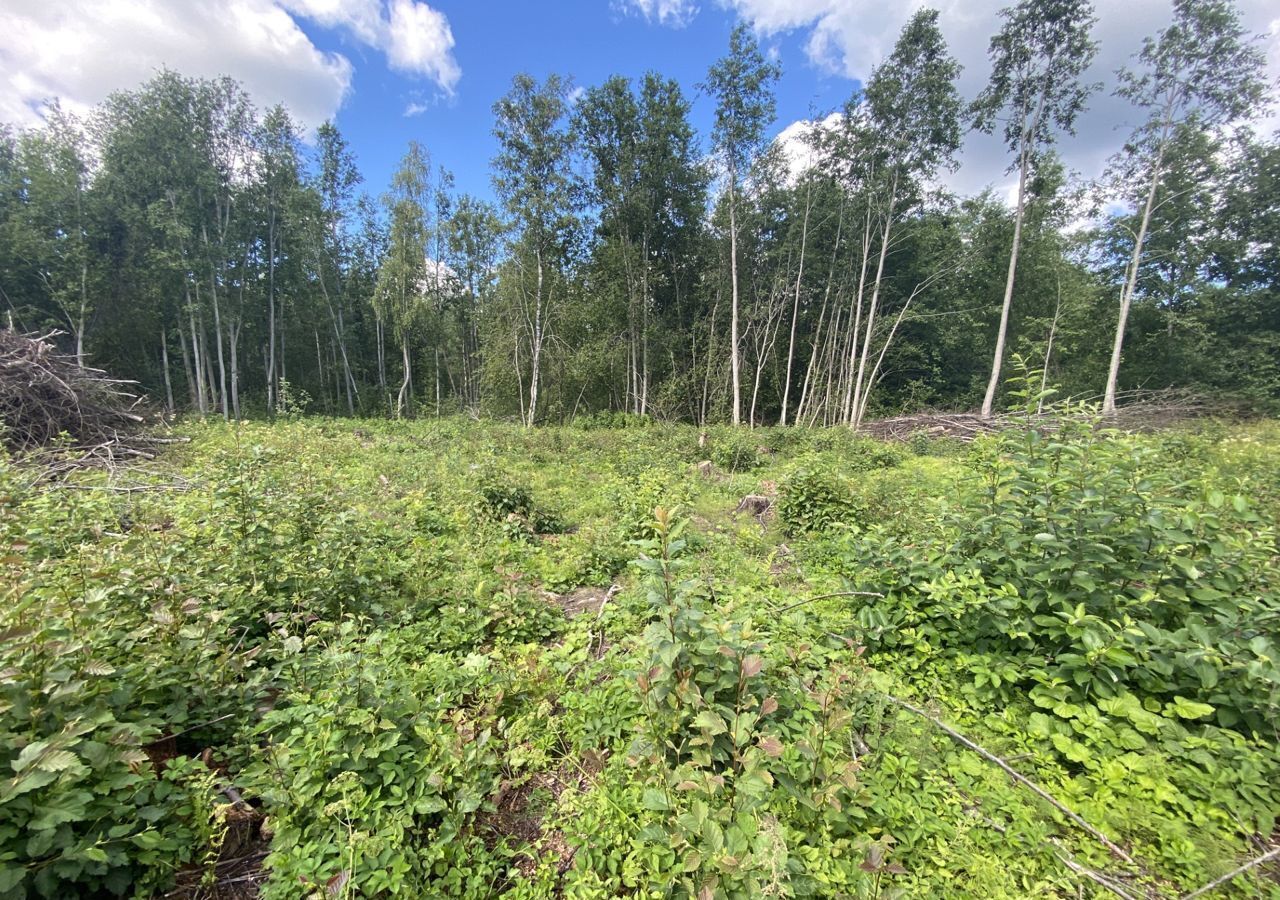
point(465, 659)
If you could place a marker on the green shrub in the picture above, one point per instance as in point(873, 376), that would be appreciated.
point(735, 450)
point(372, 770)
point(1085, 563)
point(84, 811)
point(814, 500)
point(725, 745)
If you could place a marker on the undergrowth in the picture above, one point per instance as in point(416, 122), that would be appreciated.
point(462, 659)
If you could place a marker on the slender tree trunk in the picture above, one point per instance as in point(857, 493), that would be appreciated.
point(1024, 165)
point(198, 369)
point(860, 386)
point(1048, 350)
point(519, 378)
point(380, 330)
point(168, 383)
point(84, 310)
point(536, 347)
point(402, 399)
point(271, 311)
point(849, 402)
point(322, 387)
point(711, 355)
point(211, 385)
point(192, 395)
point(1131, 276)
point(733, 316)
point(644, 327)
point(234, 328)
point(795, 307)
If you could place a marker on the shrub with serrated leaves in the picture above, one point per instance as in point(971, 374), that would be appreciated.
point(1088, 563)
point(734, 449)
point(83, 812)
point(374, 767)
point(813, 499)
point(725, 747)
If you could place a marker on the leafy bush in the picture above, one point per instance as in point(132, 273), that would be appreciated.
point(611, 420)
point(372, 770)
point(735, 450)
point(813, 499)
point(1085, 563)
point(85, 810)
point(512, 507)
point(719, 739)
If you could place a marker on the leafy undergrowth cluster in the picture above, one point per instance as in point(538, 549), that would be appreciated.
point(460, 659)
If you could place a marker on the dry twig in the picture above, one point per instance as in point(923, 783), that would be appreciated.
point(1016, 776)
point(1274, 853)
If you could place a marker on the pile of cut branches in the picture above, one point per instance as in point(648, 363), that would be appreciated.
point(49, 403)
point(1135, 411)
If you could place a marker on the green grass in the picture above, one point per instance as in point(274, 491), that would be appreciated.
point(376, 656)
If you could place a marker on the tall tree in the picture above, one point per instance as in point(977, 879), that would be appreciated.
point(649, 189)
point(279, 183)
point(1199, 73)
point(742, 84)
point(404, 268)
point(535, 182)
point(473, 237)
point(55, 231)
point(914, 113)
point(1038, 58)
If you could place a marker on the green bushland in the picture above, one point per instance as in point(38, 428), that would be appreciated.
point(361, 623)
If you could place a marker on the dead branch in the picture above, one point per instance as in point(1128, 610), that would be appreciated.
point(1016, 776)
point(1218, 882)
point(781, 610)
point(58, 416)
point(1096, 877)
point(1136, 411)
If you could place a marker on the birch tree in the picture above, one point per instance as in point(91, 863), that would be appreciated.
point(534, 180)
point(54, 229)
point(1038, 58)
point(404, 268)
point(1200, 72)
point(742, 84)
point(914, 113)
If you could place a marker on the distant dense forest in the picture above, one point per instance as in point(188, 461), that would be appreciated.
point(235, 265)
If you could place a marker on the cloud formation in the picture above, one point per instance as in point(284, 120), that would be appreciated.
point(850, 37)
point(81, 50)
point(672, 13)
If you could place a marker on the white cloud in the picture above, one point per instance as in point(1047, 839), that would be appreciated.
point(415, 108)
point(795, 144)
point(576, 94)
point(81, 50)
point(849, 37)
point(673, 13)
point(420, 42)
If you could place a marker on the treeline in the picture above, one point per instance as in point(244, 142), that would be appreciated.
point(182, 238)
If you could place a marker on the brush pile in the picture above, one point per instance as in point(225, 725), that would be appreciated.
point(48, 400)
point(1135, 411)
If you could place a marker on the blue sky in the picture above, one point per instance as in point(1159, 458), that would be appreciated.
point(367, 62)
point(586, 40)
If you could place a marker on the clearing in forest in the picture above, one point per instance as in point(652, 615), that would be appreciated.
point(325, 658)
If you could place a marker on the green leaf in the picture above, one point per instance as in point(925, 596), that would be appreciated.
point(1189, 709)
point(655, 800)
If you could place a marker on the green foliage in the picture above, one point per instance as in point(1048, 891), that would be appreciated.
point(373, 795)
point(419, 706)
point(1088, 563)
point(735, 450)
point(813, 500)
point(716, 743)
